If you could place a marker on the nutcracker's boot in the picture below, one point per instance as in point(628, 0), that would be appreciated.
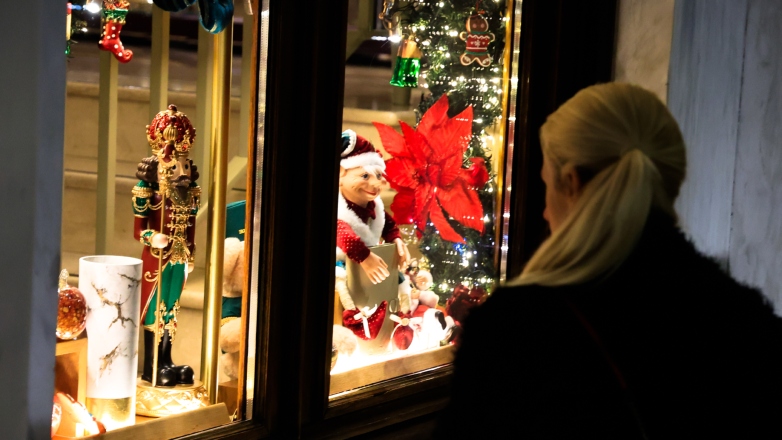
point(166, 376)
point(112, 21)
point(184, 373)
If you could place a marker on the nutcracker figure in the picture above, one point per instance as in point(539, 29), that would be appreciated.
point(165, 203)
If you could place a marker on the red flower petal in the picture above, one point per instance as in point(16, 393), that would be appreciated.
point(424, 198)
point(451, 169)
point(446, 231)
point(452, 137)
point(393, 142)
point(462, 204)
point(417, 145)
point(478, 174)
point(402, 207)
point(433, 175)
point(400, 173)
point(435, 116)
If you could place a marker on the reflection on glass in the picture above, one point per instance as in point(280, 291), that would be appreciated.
point(436, 188)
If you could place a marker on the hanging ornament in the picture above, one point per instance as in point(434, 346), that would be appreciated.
point(112, 20)
point(68, 30)
point(477, 38)
point(408, 64)
point(215, 14)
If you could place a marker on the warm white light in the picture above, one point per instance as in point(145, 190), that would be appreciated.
point(453, 33)
point(92, 7)
point(395, 38)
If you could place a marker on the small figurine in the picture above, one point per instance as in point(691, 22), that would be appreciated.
point(165, 203)
point(361, 223)
point(477, 38)
point(112, 20)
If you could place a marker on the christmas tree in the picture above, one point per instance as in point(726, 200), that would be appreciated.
point(446, 33)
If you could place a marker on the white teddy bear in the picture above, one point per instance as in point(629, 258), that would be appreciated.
point(231, 326)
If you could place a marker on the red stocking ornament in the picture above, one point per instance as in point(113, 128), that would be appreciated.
point(112, 20)
point(365, 323)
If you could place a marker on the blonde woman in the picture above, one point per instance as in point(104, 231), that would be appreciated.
point(617, 327)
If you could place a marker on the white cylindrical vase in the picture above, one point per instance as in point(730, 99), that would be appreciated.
point(112, 288)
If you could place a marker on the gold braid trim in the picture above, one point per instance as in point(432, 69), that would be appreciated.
point(228, 319)
point(141, 191)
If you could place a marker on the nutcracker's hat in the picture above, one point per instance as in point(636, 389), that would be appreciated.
point(357, 151)
point(170, 134)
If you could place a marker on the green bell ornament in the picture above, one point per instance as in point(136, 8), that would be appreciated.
point(408, 64)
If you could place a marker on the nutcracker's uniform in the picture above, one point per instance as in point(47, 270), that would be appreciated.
point(179, 226)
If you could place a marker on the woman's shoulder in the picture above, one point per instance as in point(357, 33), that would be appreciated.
point(521, 304)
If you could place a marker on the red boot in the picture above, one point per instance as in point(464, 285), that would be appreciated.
point(112, 20)
point(365, 323)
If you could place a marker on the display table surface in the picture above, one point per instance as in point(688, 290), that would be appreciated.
point(171, 426)
point(70, 367)
point(387, 367)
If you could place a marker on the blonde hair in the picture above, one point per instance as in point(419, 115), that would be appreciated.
point(629, 153)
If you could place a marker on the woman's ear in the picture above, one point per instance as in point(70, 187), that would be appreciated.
point(571, 182)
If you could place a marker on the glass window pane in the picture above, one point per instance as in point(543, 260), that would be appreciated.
point(427, 90)
point(143, 116)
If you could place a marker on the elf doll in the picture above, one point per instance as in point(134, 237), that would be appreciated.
point(362, 223)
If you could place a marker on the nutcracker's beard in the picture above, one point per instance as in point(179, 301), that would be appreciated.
point(181, 182)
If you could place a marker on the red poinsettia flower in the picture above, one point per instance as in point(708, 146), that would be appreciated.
point(427, 173)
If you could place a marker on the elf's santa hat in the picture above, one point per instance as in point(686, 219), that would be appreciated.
point(357, 151)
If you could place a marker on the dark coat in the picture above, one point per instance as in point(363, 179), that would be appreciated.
point(700, 355)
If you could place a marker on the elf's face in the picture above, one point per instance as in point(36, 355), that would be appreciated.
point(359, 185)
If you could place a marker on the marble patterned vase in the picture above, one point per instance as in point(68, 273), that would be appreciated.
point(112, 288)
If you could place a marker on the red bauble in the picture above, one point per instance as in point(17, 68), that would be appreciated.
point(463, 300)
point(403, 333)
point(71, 313)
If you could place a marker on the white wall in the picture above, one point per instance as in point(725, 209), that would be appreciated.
point(32, 87)
point(724, 90)
point(643, 46)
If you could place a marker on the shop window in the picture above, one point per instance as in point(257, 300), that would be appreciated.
point(421, 206)
point(158, 265)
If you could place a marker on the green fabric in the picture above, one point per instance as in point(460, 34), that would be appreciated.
point(232, 307)
point(234, 219)
point(140, 206)
point(172, 286)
